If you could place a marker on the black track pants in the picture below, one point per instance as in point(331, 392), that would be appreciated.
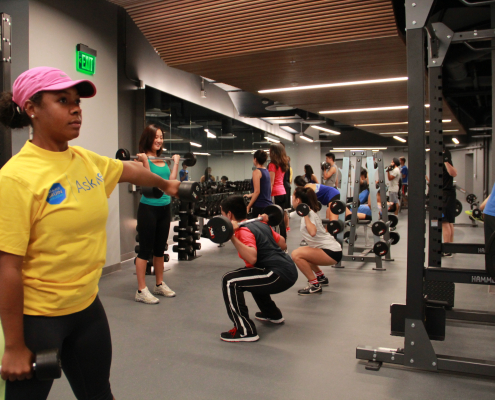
point(261, 283)
point(83, 339)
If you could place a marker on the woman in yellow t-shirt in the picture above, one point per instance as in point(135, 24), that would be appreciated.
point(53, 238)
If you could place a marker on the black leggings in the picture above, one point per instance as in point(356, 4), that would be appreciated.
point(153, 229)
point(83, 339)
point(280, 201)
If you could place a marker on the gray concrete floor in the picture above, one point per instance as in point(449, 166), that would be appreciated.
point(172, 350)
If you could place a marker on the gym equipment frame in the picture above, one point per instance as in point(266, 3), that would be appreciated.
point(422, 318)
point(352, 250)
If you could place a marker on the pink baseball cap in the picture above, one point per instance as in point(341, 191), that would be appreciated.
point(40, 79)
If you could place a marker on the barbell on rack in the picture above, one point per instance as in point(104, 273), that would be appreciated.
point(124, 155)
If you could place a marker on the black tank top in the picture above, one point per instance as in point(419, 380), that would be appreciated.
point(270, 256)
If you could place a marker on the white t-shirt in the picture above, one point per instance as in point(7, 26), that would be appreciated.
point(393, 185)
point(322, 239)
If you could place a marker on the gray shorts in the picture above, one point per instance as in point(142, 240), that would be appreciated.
point(393, 197)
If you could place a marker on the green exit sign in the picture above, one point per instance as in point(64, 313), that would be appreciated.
point(85, 59)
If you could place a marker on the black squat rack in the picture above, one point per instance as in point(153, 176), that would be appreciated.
point(430, 290)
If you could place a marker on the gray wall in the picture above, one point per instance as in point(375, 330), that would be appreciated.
point(55, 28)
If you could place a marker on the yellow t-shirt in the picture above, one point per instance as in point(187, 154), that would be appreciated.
point(53, 212)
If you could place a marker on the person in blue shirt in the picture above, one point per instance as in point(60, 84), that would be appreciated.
point(184, 173)
point(324, 194)
point(488, 208)
point(404, 171)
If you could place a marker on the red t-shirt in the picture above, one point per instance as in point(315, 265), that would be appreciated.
point(278, 183)
point(247, 237)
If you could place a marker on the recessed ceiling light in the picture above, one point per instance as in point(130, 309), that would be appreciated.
point(360, 148)
point(201, 154)
point(398, 123)
point(209, 134)
point(368, 109)
point(400, 139)
point(244, 151)
point(455, 140)
point(227, 136)
point(157, 113)
point(330, 85)
point(320, 128)
point(447, 130)
point(481, 128)
point(364, 110)
point(272, 140)
point(195, 144)
point(393, 133)
point(306, 137)
point(427, 149)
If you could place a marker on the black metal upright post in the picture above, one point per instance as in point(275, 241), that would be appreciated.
point(418, 350)
point(5, 83)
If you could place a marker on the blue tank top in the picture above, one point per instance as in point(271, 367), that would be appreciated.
point(325, 193)
point(490, 204)
point(265, 197)
point(163, 172)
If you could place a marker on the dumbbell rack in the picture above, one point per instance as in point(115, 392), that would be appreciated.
point(150, 270)
point(352, 251)
point(188, 234)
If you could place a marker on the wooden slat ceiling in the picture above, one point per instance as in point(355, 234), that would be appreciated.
point(264, 44)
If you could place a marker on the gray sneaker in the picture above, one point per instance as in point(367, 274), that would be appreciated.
point(146, 297)
point(163, 290)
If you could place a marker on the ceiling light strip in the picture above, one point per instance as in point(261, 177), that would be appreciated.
point(320, 128)
point(368, 109)
point(400, 139)
point(331, 85)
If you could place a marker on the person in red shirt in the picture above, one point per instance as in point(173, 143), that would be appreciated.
point(268, 270)
point(279, 164)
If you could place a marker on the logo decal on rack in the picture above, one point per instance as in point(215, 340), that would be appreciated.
point(56, 194)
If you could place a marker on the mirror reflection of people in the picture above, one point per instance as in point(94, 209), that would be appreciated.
point(261, 195)
point(207, 177)
point(224, 179)
point(153, 218)
point(184, 173)
point(309, 175)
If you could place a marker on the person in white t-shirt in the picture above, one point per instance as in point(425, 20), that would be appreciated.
point(393, 172)
point(322, 248)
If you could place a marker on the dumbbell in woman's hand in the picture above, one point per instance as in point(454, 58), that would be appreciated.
point(47, 365)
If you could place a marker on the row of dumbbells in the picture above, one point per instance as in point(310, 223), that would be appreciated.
point(187, 234)
point(208, 207)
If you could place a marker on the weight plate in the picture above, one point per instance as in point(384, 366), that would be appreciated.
point(302, 210)
point(458, 208)
point(275, 214)
point(471, 198)
point(395, 237)
point(220, 229)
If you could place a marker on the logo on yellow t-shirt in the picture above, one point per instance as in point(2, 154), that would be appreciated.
point(56, 194)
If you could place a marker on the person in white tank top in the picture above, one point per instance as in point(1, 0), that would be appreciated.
point(322, 248)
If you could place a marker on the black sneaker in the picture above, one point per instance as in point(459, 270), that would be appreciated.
point(447, 255)
point(310, 289)
point(234, 336)
point(322, 280)
point(261, 317)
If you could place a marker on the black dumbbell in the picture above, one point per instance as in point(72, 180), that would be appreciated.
point(187, 239)
point(221, 230)
point(182, 247)
point(477, 213)
point(382, 247)
point(136, 249)
point(47, 365)
point(187, 229)
point(380, 227)
point(196, 235)
point(166, 258)
point(188, 191)
point(347, 236)
point(196, 246)
point(338, 207)
point(166, 247)
point(137, 238)
point(471, 198)
point(335, 227)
